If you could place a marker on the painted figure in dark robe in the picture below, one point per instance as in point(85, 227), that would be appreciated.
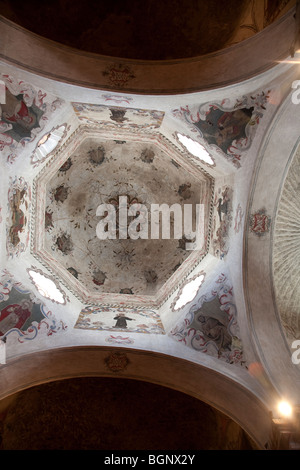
point(121, 320)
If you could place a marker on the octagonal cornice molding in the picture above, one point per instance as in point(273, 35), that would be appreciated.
point(59, 156)
point(62, 152)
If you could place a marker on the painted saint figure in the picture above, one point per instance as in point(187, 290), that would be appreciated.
point(14, 316)
point(216, 331)
point(221, 128)
point(213, 323)
point(19, 118)
point(18, 217)
point(121, 320)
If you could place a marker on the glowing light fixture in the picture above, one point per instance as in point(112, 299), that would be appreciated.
point(189, 292)
point(285, 409)
point(195, 149)
point(46, 287)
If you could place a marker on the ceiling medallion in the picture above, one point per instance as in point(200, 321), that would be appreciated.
point(116, 361)
point(119, 74)
point(188, 291)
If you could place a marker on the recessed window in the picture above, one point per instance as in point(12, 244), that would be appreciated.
point(195, 149)
point(48, 143)
point(46, 287)
point(188, 292)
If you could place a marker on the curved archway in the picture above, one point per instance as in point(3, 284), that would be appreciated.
point(211, 387)
point(114, 414)
point(274, 160)
point(55, 61)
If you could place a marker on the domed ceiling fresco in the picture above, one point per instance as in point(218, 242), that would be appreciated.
point(108, 172)
point(77, 273)
point(105, 155)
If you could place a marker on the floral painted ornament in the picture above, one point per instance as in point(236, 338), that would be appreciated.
point(117, 361)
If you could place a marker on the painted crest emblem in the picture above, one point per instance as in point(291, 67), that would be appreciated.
point(260, 222)
point(117, 361)
point(119, 75)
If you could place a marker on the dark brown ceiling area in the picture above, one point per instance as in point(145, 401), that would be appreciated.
point(133, 29)
point(112, 413)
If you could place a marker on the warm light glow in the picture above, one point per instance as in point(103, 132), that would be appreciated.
point(189, 292)
point(47, 143)
point(195, 148)
point(46, 287)
point(289, 61)
point(292, 60)
point(284, 409)
point(43, 139)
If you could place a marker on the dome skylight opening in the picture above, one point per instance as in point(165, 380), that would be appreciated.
point(46, 287)
point(195, 149)
point(189, 292)
point(47, 143)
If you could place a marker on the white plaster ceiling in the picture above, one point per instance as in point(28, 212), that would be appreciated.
point(213, 327)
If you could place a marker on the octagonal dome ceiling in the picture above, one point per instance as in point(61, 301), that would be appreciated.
point(143, 170)
point(67, 149)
